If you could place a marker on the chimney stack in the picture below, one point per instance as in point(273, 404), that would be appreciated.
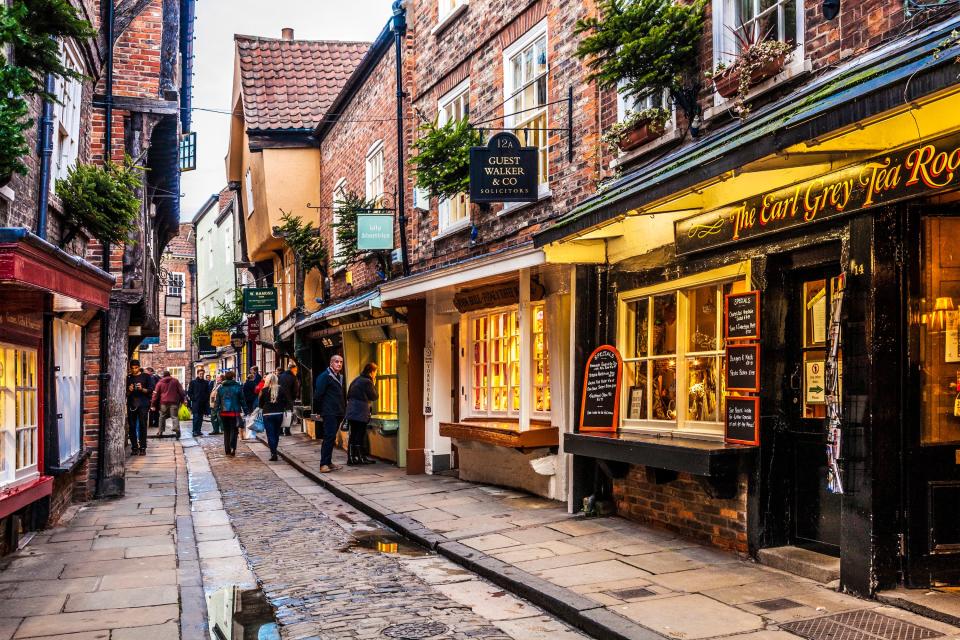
point(287, 33)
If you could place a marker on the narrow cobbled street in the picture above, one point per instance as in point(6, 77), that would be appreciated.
point(317, 562)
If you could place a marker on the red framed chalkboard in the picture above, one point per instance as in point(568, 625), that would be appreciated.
point(600, 402)
point(742, 368)
point(741, 317)
point(742, 420)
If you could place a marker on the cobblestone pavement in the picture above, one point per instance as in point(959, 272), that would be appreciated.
point(302, 544)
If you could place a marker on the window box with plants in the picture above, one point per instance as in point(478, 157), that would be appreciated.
point(637, 128)
point(754, 63)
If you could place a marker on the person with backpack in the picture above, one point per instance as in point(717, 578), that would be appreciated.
point(230, 406)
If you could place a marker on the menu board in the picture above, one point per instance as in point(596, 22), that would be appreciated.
point(743, 368)
point(742, 420)
point(600, 404)
point(743, 315)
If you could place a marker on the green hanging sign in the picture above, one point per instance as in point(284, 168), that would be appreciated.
point(374, 232)
point(259, 299)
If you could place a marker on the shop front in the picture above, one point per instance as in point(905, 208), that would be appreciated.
point(784, 307)
point(494, 368)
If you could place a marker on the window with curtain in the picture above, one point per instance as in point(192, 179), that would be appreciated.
point(387, 380)
point(455, 106)
point(525, 87)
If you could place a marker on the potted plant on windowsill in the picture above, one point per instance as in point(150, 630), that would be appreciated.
point(754, 63)
point(637, 128)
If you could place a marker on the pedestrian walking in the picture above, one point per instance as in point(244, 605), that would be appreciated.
point(362, 392)
point(139, 392)
point(329, 402)
point(255, 372)
point(250, 392)
point(229, 406)
point(214, 414)
point(154, 413)
point(272, 411)
point(289, 388)
point(198, 395)
point(168, 395)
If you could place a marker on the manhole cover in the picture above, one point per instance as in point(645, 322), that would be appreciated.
point(629, 594)
point(865, 624)
point(415, 630)
point(778, 604)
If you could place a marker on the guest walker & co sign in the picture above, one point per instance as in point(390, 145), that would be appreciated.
point(503, 171)
point(927, 168)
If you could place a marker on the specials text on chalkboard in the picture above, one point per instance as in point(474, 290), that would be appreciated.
point(600, 404)
point(742, 421)
point(743, 368)
point(742, 315)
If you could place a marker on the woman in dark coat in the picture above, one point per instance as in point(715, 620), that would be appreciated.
point(362, 391)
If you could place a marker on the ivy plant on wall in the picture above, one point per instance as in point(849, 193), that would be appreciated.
point(32, 31)
point(442, 160)
point(349, 205)
point(645, 48)
point(102, 199)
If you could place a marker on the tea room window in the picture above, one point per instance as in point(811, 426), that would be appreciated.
point(454, 213)
point(525, 88)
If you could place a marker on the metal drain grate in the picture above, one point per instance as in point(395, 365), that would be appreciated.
point(864, 624)
point(627, 594)
point(778, 604)
point(415, 630)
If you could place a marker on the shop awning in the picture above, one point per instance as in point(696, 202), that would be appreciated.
point(890, 80)
point(358, 304)
point(28, 261)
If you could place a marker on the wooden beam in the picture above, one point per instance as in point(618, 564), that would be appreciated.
point(141, 105)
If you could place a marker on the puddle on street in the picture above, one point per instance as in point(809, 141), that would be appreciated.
point(241, 615)
point(386, 542)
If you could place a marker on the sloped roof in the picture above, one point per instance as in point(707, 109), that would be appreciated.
point(290, 84)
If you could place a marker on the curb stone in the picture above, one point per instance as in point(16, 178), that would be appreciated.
point(569, 606)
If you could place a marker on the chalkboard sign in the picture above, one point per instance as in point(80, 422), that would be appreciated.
point(742, 315)
point(742, 420)
point(743, 367)
point(600, 404)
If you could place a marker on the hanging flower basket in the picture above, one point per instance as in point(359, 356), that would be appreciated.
point(640, 135)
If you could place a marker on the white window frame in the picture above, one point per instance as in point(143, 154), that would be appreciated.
point(69, 385)
point(511, 88)
point(181, 344)
point(66, 112)
point(338, 191)
point(180, 374)
point(626, 104)
point(724, 42)
point(449, 9)
point(373, 181)
point(681, 426)
point(26, 435)
point(176, 283)
point(248, 187)
point(453, 213)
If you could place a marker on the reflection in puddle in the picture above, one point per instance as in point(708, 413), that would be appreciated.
point(241, 615)
point(383, 541)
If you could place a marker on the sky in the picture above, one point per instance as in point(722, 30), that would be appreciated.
point(217, 21)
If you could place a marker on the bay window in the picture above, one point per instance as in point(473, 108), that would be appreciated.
point(19, 413)
point(672, 343)
point(525, 88)
point(454, 213)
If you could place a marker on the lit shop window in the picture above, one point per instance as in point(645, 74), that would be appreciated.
point(673, 352)
point(525, 84)
point(18, 412)
point(387, 380)
point(541, 364)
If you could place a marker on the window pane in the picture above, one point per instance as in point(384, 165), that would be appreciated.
point(702, 304)
point(665, 324)
point(636, 383)
point(664, 389)
point(641, 328)
point(702, 392)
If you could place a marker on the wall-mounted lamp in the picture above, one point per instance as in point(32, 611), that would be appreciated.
point(831, 8)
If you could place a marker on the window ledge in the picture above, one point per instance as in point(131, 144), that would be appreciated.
point(453, 229)
point(503, 434)
point(8, 194)
point(510, 207)
point(71, 463)
point(448, 19)
point(672, 133)
point(792, 71)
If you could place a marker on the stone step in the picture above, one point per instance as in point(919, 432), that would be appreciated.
point(802, 562)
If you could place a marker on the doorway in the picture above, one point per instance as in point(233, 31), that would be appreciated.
point(814, 518)
point(933, 429)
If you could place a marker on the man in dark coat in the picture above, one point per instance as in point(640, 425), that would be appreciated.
point(139, 392)
point(329, 401)
point(198, 395)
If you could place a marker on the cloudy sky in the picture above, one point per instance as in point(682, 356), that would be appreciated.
point(217, 21)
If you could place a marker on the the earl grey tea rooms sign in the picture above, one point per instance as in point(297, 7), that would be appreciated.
point(503, 171)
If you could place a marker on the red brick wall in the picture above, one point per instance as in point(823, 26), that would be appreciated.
point(684, 507)
point(91, 404)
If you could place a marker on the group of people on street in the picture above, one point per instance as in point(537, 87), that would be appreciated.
point(337, 405)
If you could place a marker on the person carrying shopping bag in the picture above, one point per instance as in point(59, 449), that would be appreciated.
point(271, 407)
point(362, 391)
point(168, 395)
point(229, 405)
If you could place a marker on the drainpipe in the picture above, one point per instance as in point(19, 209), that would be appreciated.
point(45, 144)
point(105, 314)
point(399, 31)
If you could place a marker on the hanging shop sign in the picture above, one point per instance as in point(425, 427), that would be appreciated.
point(600, 403)
point(504, 171)
point(259, 299)
point(172, 306)
point(922, 169)
point(495, 295)
point(742, 313)
point(427, 380)
point(253, 328)
point(374, 232)
point(204, 348)
point(743, 368)
point(742, 420)
point(220, 339)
